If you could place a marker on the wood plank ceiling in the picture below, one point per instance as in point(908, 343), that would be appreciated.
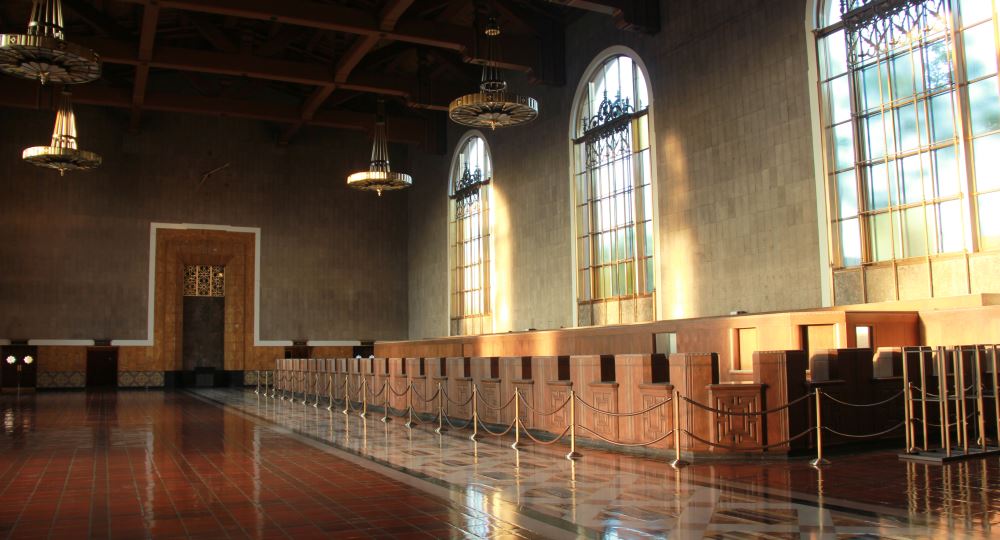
point(309, 62)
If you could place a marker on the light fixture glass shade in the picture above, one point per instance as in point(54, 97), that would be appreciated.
point(62, 153)
point(493, 105)
point(11, 359)
point(379, 177)
point(43, 55)
point(28, 359)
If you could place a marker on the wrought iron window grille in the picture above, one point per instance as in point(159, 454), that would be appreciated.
point(466, 195)
point(875, 27)
point(606, 133)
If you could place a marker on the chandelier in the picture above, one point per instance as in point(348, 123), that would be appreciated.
point(62, 153)
point(43, 55)
point(379, 177)
point(493, 106)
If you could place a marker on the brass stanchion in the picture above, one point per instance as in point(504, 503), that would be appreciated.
point(819, 461)
point(347, 394)
point(943, 383)
point(281, 384)
point(329, 390)
point(923, 396)
point(996, 395)
point(963, 428)
point(440, 427)
point(305, 387)
point(677, 462)
point(316, 378)
point(475, 412)
point(409, 405)
point(364, 397)
point(907, 413)
point(517, 419)
point(386, 388)
point(980, 412)
point(257, 380)
point(573, 454)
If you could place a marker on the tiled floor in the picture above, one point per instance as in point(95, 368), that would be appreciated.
point(159, 464)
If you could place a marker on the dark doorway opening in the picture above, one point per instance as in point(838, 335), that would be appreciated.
point(102, 367)
point(204, 335)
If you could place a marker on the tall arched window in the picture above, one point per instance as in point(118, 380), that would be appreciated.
point(614, 197)
point(471, 173)
point(911, 129)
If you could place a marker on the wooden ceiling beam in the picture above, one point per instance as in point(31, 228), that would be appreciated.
point(388, 17)
point(636, 15)
point(273, 69)
point(147, 35)
point(101, 22)
point(23, 94)
point(213, 34)
point(356, 21)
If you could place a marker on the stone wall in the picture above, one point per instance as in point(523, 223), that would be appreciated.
point(74, 250)
point(734, 175)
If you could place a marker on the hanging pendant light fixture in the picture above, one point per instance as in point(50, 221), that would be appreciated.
point(379, 177)
point(62, 153)
point(493, 106)
point(42, 54)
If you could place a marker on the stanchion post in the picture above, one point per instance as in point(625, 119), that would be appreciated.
point(347, 395)
point(907, 416)
point(316, 380)
point(945, 413)
point(475, 412)
point(963, 428)
point(923, 396)
point(329, 390)
point(819, 461)
point(386, 388)
point(440, 427)
point(996, 387)
point(364, 397)
point(257, 380)
point(573, 454)
point(517, 419)
point(305, 387)
point(677, 461)
point(281, 389)
point(409, 405)
point(980, 412)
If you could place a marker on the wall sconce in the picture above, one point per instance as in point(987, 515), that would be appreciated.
point(11, 359)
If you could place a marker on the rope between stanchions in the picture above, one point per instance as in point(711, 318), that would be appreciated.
point(491, 407)
point(380, 390)
point(422, 398)
point(534, 410)
point(751, 413)
point(393, 390)
point(749, 448)
point(448, 420)
point(883, 402)
point(880, 433)
point(630, 445)
point(546, 443)
point(625, 414)
point(452, 401)
point(506, 431)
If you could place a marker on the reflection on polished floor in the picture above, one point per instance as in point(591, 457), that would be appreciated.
point(229, 463)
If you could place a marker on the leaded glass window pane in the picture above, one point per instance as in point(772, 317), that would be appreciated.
point(470, 287)
point(614, 200)
point(900, 131)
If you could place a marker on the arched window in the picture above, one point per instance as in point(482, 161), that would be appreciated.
point(614, 197)
point(471, 173)
point(911, 129)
